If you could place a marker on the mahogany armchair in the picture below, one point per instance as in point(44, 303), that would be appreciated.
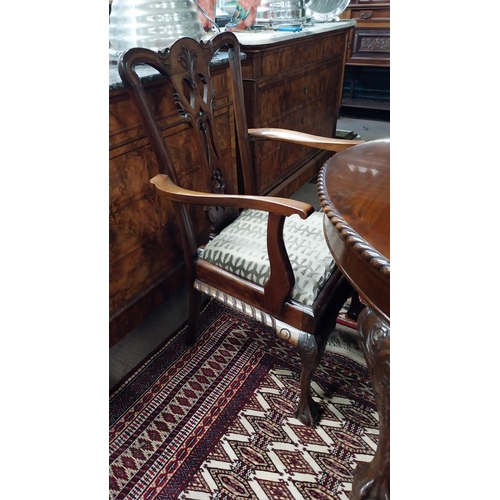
point(267, 256)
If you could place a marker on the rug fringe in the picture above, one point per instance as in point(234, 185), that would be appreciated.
point(338, 345)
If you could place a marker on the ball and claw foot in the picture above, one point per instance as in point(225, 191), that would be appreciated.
point(367, 485)
point(308, 412)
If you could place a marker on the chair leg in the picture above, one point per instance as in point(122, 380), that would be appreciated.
point(307, 411)
point(355, 307)
point(311, 349)
point(194, 315)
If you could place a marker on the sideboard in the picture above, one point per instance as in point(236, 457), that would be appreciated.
point(295, 84)
point(368, 51)
point(291, 80)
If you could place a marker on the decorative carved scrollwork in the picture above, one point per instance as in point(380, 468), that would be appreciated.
point(371, 481)
point(378, 44)
point(218, 184)
point(188, 60)
point(194, 96)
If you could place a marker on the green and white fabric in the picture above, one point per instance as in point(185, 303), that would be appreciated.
point(241, 248)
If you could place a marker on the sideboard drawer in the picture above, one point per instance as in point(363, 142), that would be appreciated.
point(285, 58)
point(368, 14)
point(370, 46)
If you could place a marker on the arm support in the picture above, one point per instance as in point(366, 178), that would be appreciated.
point(281, 280)
point(281, 206)
point(313, 141)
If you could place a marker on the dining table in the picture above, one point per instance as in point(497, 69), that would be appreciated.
point(354, 190)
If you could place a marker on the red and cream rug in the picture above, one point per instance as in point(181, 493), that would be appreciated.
point(215, 421)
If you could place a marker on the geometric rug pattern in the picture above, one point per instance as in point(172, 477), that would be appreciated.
point(215, 421)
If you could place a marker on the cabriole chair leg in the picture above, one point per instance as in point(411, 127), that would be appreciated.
point(308, 410)
point(311, 349)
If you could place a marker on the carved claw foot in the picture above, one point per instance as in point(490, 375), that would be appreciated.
point(369, 484)
point(308, 411)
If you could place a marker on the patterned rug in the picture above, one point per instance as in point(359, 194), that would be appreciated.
point(215, 421)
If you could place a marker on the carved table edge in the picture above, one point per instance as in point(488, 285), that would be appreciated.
point(351, 237)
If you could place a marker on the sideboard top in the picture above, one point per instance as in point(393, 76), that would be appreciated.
point(149, 74)
point(249, 38)
point(246, 39)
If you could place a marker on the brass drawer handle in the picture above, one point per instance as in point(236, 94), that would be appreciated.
point(367, 14)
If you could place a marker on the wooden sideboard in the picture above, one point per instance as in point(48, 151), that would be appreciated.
point(294, 83)
point(368, 47)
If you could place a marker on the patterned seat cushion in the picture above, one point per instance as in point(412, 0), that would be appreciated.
point(241, 249)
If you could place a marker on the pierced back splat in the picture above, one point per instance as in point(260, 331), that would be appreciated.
point(186, 63)
point(194, 97)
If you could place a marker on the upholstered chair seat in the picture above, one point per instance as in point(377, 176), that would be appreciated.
point(241, 248)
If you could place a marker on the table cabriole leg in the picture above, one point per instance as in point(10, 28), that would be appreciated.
point(371, 480)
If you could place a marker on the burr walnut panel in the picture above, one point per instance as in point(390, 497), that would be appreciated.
point(145, 250)
point(132, 227)
point(137, 271)
point(129, 176)
point(305, 54)
point(133, 198)
point(124, 123)
point(151, 262)
point(304, 103)
point(294, 85)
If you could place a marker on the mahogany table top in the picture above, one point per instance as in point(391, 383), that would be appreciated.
point(354, 190)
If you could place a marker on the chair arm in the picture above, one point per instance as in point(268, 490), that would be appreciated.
point(281, 281)
point(281, 206)
point(313, 141)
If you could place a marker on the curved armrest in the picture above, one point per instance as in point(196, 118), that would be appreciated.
point(281, 281)
point(281, 206)
point(313, 141)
